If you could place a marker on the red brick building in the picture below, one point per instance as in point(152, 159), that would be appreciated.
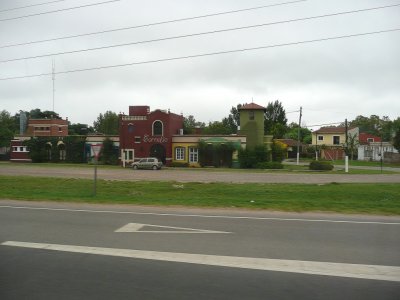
point(47, 127)
point(37, 127)
point(143, 133)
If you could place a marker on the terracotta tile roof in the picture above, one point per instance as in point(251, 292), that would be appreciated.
point(251, 106)
point(331, 130)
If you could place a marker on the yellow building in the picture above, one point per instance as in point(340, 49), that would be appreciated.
point(332, 136)
point(186, 150)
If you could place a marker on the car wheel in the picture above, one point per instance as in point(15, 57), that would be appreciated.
point(155, 168)
point(135, 167)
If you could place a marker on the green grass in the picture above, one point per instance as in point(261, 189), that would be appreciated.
point(361, 163)
point(345, 198)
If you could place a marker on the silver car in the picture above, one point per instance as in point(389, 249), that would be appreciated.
point(147, 163)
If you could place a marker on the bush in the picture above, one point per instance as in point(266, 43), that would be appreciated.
point(179, 165)
point(279, 151)
point(321, 165)
point(270, 165)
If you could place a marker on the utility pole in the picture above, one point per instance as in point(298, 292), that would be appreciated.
point(347, 135)
point(53, 73)
point(298, 136)
point(346, 160)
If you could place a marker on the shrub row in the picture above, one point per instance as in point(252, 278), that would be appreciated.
point(321, 165)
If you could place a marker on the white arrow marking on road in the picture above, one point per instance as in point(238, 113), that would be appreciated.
point(374, 272)
point(137, 227)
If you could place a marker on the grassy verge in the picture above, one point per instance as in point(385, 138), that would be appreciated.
point(345, 198)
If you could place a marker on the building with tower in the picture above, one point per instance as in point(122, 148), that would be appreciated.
point(145, 133)
point(252, 125)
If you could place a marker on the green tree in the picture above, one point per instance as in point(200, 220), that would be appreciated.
point(352, 145)
point(234, 117)
point(190, 123)
point(107, 123)
point(305, 133)
point(38, 114)
point(79, 129)
point(376, 125)
point(218, 127)
point(109, 154)
point(396, 140)
point(275, 121)
point(7, 128)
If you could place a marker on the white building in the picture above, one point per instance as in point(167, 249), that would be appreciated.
point(373, 151)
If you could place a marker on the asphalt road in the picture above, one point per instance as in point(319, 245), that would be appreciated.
point(71, 251)
point(190, 175)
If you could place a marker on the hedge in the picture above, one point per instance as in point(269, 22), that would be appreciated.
point(321, 165)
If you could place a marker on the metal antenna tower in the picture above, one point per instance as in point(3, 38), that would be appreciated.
point(53, 65)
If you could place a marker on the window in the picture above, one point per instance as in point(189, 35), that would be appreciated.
point(193, 155)
point(137, 140)
point(251, 115)
point(336, 140)
point(59, 129)
point(15, 149)
point(130, 127)
point(157, 128)
point(320, 138)
point(370, 140)
point(180, 153)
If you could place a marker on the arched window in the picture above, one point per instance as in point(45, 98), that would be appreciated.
point(157, 128)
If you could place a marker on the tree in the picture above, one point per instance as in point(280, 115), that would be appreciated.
point(217, 127)
point(305, 133)
point(375, 125)
point(352, 144)
point(109, 154)
point(107, 123)
point(275, 121)
point(79, 129)
point(235, 115)
point(7, 128)
point(396, 140)
point(38, 114)
point(190, 123)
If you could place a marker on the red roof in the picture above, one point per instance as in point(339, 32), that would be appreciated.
point(366, 138)
point(251, 106)
point(331, 130)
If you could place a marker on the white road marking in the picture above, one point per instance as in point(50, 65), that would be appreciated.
point(136, 227)
point(373, 272)
point(199, 216)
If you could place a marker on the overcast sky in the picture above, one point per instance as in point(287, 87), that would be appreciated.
point(331, 80)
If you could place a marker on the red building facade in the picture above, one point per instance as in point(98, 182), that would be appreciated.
point(143, 133)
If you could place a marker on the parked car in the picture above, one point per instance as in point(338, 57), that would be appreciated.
point(147, 163)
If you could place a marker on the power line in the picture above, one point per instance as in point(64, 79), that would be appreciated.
point(290, 112)
point(32, 5)
point(205, 54)
point(326, 124)
point(59, 10)
point(153, 24)
point(195, 34)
